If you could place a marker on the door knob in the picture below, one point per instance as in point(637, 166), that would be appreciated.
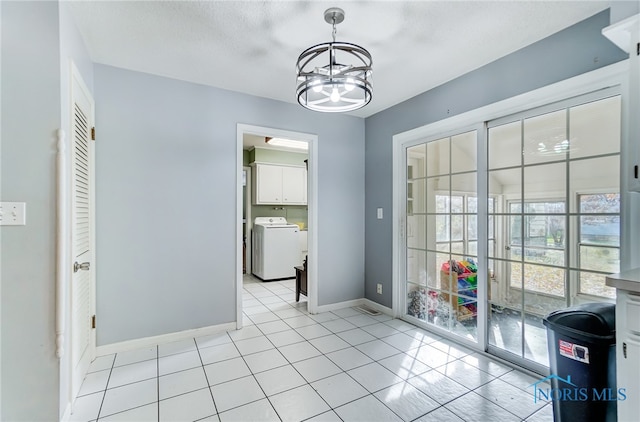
point(84, 266)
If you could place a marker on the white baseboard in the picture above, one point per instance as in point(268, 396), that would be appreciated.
point(353, 303)
point(123, 346)
point(339, 305)
point(67, 413)
point(380, 308)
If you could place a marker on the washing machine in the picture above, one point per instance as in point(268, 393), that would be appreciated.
point(276, 248)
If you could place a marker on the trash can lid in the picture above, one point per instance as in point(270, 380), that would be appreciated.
point(594, 320)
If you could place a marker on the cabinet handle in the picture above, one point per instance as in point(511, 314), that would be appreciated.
point(624, 350)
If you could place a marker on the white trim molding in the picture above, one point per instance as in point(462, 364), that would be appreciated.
point(340, 305)
point(356, 303)
point(377, 307)
point(62, 240)
point(124, 346)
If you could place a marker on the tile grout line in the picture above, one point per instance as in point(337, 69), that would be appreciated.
point(482, 385)
point(343, 371)
point(292, 364)
point(365, 388)
point(254, 377)
point(106, 387)
point(215, 406)
point(307, 383)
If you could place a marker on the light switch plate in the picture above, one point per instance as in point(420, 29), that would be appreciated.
point(13, 213)
point(379, 213)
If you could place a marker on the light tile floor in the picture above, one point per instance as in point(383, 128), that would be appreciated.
point(289, 365)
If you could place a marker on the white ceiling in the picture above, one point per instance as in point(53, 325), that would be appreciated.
point(252, 46)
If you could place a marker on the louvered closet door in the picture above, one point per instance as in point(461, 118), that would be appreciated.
point(82, 282)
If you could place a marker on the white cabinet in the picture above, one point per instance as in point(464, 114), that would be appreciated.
point(627, 286)
point(294, 185)
point(628, 353)
point(276, 184)
point(268, 188)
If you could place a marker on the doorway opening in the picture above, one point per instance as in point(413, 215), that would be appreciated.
point(279, 183)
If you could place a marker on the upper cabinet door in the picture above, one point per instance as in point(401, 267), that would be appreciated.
point(294, 185)
point(269, 184)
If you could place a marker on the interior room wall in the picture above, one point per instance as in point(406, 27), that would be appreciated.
point(31, 113)
point(573, 51)
point(166, 206)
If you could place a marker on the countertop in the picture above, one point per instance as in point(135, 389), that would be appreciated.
point(627, 280)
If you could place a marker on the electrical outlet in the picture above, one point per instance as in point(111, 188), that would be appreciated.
point(12, 213)
point(379, 288)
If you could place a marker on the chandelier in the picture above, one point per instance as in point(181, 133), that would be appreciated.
point(334, 76)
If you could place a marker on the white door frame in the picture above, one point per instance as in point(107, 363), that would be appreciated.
point(312, 201)
point(249, 219)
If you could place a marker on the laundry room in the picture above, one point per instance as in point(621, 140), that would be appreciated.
point(275, 212)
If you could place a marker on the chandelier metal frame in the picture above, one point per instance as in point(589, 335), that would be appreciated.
point(327, 85)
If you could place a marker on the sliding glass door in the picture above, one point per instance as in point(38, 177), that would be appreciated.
point(511, 221)
point(553, 181)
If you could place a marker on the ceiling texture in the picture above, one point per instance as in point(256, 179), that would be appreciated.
point(252, 46)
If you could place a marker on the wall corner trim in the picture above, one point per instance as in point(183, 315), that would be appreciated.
point(62, 240)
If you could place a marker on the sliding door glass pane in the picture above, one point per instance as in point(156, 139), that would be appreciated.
point(438, 157)
point(545, 138)
point(592, 137)
point(442, 246)
point(505, 146)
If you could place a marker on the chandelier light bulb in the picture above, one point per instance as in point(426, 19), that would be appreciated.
point(335, 95)
point(349, 85)
point(317, 87)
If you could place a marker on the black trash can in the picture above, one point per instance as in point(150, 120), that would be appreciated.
point(582, 361)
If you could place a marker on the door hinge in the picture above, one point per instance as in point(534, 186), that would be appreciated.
point(93, 321)
point(93, 133)
point(638, 49)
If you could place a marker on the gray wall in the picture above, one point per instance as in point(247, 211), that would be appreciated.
point(30, 115)
point(166, 206)
point(573, 51)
